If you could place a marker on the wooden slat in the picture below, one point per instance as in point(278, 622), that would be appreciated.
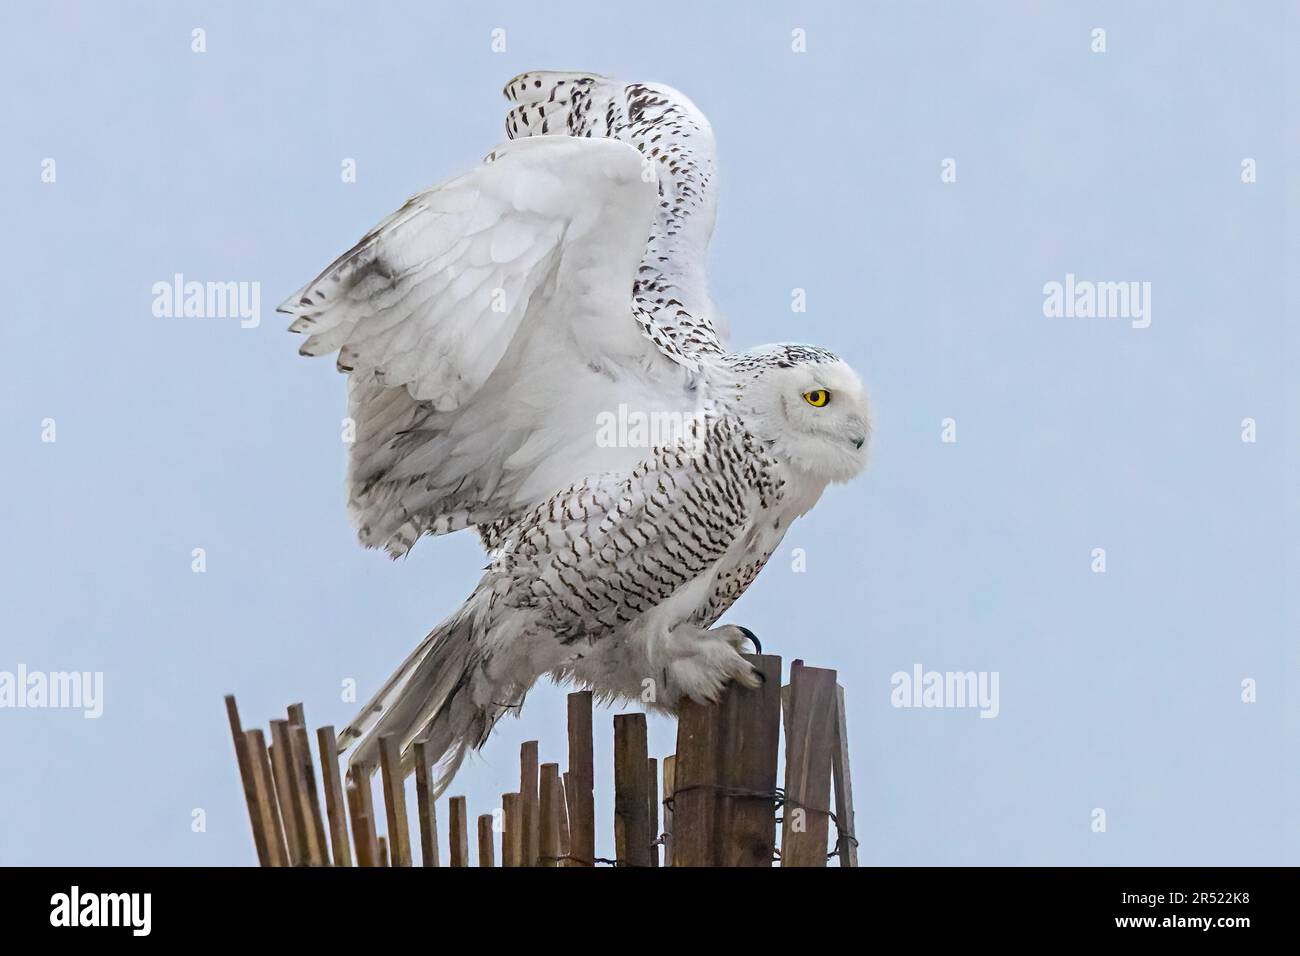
point(390, 766)
point(842, 781)
point(485, 855)
point(426, 809)
point(581, 781)
point(652, 807)
point(384, 859)
point(564, 818)
point(372, 817)
point(750, 743)
point(286, 791)
point(550, 798)
point(458, 832)
point(512, 836)
point(335, 807)
point(695, 793)
point(246, 778)
point(528, 790)
point(724, 775)
point(670, 776)
point(631, 791)
point(363, 824)
point(308, 796)
point(808, 766)
point(267, 804)
point(307, 769)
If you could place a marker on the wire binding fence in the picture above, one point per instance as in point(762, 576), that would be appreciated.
point(715, 802)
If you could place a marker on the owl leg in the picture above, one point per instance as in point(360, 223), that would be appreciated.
point(702, 661)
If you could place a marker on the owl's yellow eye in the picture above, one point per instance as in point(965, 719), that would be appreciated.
point(817, 397)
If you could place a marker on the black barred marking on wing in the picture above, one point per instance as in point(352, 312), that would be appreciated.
point(677, 140)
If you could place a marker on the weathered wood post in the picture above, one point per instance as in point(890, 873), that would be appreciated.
point(425, 808)
point(306, 775)
point(399, 833)
point(631, 791)
point(260, 841)
point(581, 782)
point(363, 823)
point(485, 854)
point(334, 804)
point(457, 832)
point(810, 735)
point(847, 841)
point(723, 802)
point(295, 831)
point(751, 739)
point(550, 801)
point(512, 850)
point(268, 806)
point(528, 793)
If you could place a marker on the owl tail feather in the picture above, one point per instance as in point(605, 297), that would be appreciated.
point(434, 696)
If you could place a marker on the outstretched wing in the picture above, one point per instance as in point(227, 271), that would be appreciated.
point(676, 141)
point(483, 326)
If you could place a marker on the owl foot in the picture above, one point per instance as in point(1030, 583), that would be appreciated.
point(704, 672)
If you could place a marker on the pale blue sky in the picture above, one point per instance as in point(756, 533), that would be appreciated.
point(1119, 691)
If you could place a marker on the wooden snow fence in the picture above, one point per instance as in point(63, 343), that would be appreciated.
point(715, 802)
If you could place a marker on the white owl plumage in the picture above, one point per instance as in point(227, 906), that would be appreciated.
point(487, 327)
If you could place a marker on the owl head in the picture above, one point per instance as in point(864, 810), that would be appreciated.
point(807, 406)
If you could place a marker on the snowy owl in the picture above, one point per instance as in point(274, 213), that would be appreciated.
point(532, 351)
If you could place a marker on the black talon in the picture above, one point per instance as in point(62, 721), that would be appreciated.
point(752, 638)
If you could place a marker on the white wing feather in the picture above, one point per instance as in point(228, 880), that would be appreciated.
point(674, 139)
point(483, 326)
point(432, 296)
